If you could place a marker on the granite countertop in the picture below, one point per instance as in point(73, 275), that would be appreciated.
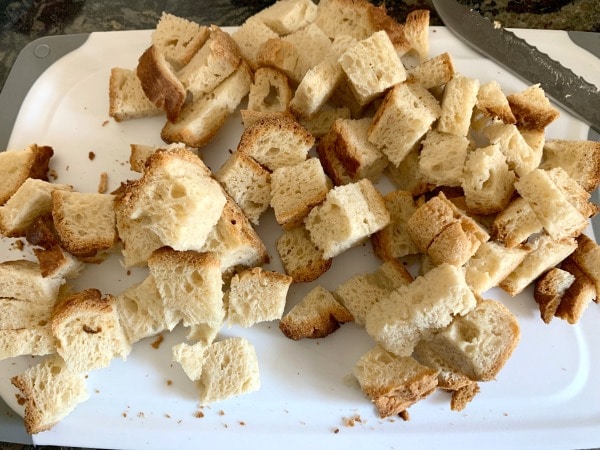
point(22, 21)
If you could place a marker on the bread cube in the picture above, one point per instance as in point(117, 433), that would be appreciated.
point(442, 158)
point(580, 159)
point(179, 39)
point(301, 259)
point(337, 17)
point(372, 66)
point(347, 217)
point(316, 316)
point(256, 295)
point(521, 157)
point(532, 108)
point(578, 296)
point(288, 16)
point(405, 115)
point(492, 102)
point(312, 45)
point(270, 91)
point(296, 189)
point(460, 96)
point(407, 176)
point(319, 124)
point(23, 280)
point(248, 183)
point(550, 289)
point(587, 258)
point(432, 73)
point(488, 183)
point(513, 225)
point(127, 99)
point(249, 38)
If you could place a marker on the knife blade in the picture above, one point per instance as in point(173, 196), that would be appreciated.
point(572, 92)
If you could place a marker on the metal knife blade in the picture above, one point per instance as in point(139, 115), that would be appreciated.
point(572, 92)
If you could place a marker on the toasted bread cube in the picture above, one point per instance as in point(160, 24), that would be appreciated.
point(393, 383)
point(347, 217)
point(250, 36)
point(331, 162)
point(85, 222)
point(312, 45)
point(337, 17)
point(532, 108)
point(416, 31)
point(248, 183)
point(580, 159)
point(51, 392)
point(545, 253)
point(296, 189)
point(32, 199)
point(230, 369)
point(256, 295)
point(55, 262)
point(587, 258)
point(550, 289)
point(372, 66)
point(127, 99)
point(393, 241)
point(140, 153)
point(407, 176)
point(319, 124)
point(513, 225)
point(270, 91)
point(23, 280)
point(492, 102)
point(521, 157)
point(360, 292)
point(402, 119)
point(578, 296)
point(87, 331)
point(316, 316)
point(287, 16)
point(190, 285)
point(432, 73)
point(442, 158)
point(460, 96)
point(488, 183)
point(301, 259)
point(179, 39)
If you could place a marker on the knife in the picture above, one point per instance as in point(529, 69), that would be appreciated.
point(572, 92)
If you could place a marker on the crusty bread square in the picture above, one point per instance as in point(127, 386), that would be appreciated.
point(270, 91)
point(250, 36)
point(127, 99)
point(432, 73)
point(56, 262)
point(372, 66)
point(393, 383)
point(50, 391)
point(347, 217)
point(312, 45)
point(405, 115)
point(460, 96)
point(87, 331)
point(407, 176)
point(550, 289)
point(256, 295)
point(248, 183)
point(317, 315)
point(492, 102)
point(578, 296)
point(286, 16)
point(521, 157)
point(296, 189)
point(587, 258)
point(580, 159)
point(442, 158)
point(516, 223)
point(532, 109)
point(349, 17)
point(23, 280)
point(301, 259)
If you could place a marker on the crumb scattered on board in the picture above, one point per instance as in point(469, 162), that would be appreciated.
point(103, 184)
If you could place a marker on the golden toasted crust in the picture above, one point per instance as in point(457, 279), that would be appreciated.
point(160, 84)
point(42, 233)
point(463, 396)
point(395, 30)
point(87, 301)
point(576, 299)
point(532, 109)
point(549, 291)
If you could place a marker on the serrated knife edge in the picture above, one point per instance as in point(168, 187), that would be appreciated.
point(565, 88)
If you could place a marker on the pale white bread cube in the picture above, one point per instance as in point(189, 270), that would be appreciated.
point(449, 378)
point(85, 222)
point(372, 66)
point(86, 328)
point(413, 312)
point(191, 358)
point(296, 189)
point(32, 199)
point(141, 311)
point(352, 18)
point(515, 224)
point(276, 142)
point(250, 36)
point(521, 157)
point(416, 32)
point(218, 58)
point(393, 383)
point(460, 96)
point(492, 102)
point(393, 241)
point(189, 284)
point(442, 158)
point(287, 16)
point(488, 183)
point(282, 55)
point(248, 183)
point(407, 175)
point(234, 241)
point(347, 217)
point(229, 370)
point(270, 91)
point(175, 199)
point(317, 315)
point(300, 258)
point(360, 292)
point(256, 295)
point(491, 264)
point(25, 328)
point(18, 165)
point(127, 99)
point(432, 73)
point(23, 280)
point(51, 392)
point(545, 253)
point(552, 205)
point(178, 39)
point(480, 342)
point(405, 115)
point(580, 159)
point(319, 124)
point(201, 119)
point(312, 44)
point(532, 109)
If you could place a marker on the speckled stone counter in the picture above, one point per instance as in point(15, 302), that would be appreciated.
point(22, 21)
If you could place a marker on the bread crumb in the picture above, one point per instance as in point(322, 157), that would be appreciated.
point(336, 430)
point(221, 412)
point(242, 423)
point(157, 342)
point(103, 185)
point(140, 415)
point(199, 414)
point(53, 174)
point(168, 416)
point(106, 122)
point(351, 421)
point(404, 415)
point(18, 244)
point(91, 156)
point(20, 399)
point(169, 382)
point(124, 414)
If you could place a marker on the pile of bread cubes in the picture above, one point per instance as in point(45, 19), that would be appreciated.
point(339, 96)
